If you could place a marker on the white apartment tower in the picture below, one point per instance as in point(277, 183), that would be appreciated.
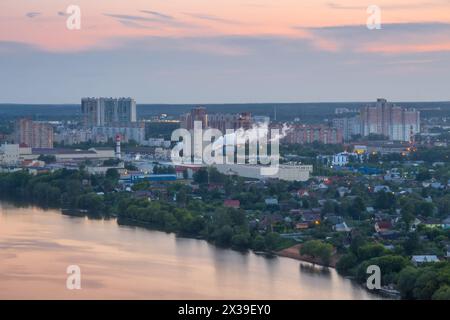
point(99, 112)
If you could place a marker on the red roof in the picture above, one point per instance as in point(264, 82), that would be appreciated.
point(232, 203)
point(384, 224)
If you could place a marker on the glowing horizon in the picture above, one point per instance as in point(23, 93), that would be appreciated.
point(260, 50)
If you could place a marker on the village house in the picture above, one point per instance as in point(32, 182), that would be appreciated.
point(382, 226)
point(271, 201)
point(301, 225)
point(431, 223)
point(311, 218)
point(418, 260)
point(229, 203)
point(342, 227)
point(446, 223)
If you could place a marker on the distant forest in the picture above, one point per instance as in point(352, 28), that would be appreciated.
point(307, 112)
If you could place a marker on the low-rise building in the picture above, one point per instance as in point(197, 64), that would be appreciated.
point(9, 154)
point(285, 172)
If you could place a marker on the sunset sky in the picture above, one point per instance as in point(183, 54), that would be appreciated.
point(213, 51)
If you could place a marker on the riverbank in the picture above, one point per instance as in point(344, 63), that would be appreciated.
point(294, 253)
point(120, 263)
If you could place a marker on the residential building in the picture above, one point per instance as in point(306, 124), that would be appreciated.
point(229, 203)
point(349, 126)
point(343, 158)
point(197, 114)
point(221, 121)
point(387, 119)
point(417, 260)
point(99, 112)
point(128, 131)
point(301, 134)
point(34, 134)
point(9, 154)
point(226, 121)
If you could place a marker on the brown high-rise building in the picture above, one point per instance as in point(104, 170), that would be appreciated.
point(221, 121)
point(301, 134)
point(34, 134)
point(197, 114)
point(389, 120)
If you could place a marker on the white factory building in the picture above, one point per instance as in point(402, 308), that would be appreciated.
point(285, 172)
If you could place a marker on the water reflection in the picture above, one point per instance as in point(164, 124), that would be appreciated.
point(120, 262)
point(313, 269)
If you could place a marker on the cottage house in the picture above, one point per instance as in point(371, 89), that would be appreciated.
point(417, 260)
point(229, 203)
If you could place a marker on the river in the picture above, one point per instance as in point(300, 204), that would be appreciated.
point(117, 262)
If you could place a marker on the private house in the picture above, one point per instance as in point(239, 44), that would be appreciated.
point(383, 226)
point(215, 186)
point(437, 185)
point(380, 188)
point(269, 220)
point(342, 191)
point(311, 218)
point(301, 225)
point(271, 201)
point(229, 203)
point(415, 224)
point(322, 187)
point(341, 227)
point(431, 223)
point(389, 235)
point(418, 260)
point(295, 212)
point(287, 205)
point(303, 193)
point(334, 219)
point(446, 223)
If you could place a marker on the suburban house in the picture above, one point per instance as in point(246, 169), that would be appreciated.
point(431, 223)
point(381, 188)
point(341, 227)
point(271, 202)
point(446, 223)
point(382, 226)
point(302, 226)
point(417, 260)
point(303, 193)
point(229, 203)
point(311, 218)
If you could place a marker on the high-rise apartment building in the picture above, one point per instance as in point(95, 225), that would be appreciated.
point(349, 126)
point(224, 121)
point(221, 121)
point(387, 119)
point(34, 134)
point(197, 114)
point(108, 111)
point(301, 134)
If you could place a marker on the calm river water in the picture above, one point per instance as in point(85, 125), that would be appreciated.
point(37, 246)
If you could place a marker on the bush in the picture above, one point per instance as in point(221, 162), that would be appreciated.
point(317, 249)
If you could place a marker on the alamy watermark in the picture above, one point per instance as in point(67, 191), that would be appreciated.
point(374, 280)
point(73, 281)
point(374, 20)
point(73, 21)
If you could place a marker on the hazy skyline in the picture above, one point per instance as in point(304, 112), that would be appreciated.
point(224, 51)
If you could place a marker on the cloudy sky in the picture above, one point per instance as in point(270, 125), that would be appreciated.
point(217, 51)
